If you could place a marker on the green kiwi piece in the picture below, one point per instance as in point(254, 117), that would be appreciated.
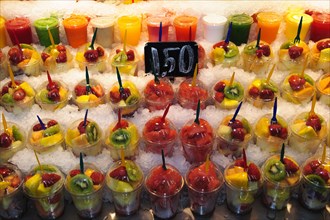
point(316, 179)
point(8, 99)
point(44, 97)
point(18, 136)
point(132, 99)
point(133, 172)
point(287, 45)
point(92, 132)
point(250, 49)
point(275, 170)
point(120, 138)
point(232, 50)
point(81, 184)
point(45, 168)
point(270, 86)
point(51, 130)
point(120, 57)
point(309, 79)
point(246, 125)
point(234, 92)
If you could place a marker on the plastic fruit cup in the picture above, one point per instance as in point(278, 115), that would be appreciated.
point(153, 24)
point(314, 191)
point(229, 97)
point(303, 138)
point(131, 24)
point(3, 40)
point(264, 139)
point(47, 104)
point(31, 63)
point(158, 136)
point(88, 101)
point(53, 63)
point(269, 22)
point(19, 29)
point(189, 95)
point(3, 66)
point(240, 199)
point(88, 205)
point(323, 89)
point(214, 27)
point(125, 195)
point(241, 24)
point(276, 194)
point(125, 66)
point(98, 66)
point(319, 56)
point(48, 203)
point(128, 139)
point(164, 204)
point(105, 30)
point(13, 201)
point(45, 141)
point(42, 25)
point(17, 144)
point(320, 27)
point(292, 22)
point(78, 143)
point(202, 202)
point(158, 96)
point(76, 30)
point(227, 145)
point(185, 27)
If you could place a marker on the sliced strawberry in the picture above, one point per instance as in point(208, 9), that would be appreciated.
point(82, 127)
point(97, 90)
point(115, 96)
point(220, 86)
point(308, 169)
point(253, 172)
point(119, 173)
point(74, 172)
point(314, 164)
point(290, 166)
point(97, 178)
point(49, 179)
point(322, 173)
point(219, 96)
point(80, 90)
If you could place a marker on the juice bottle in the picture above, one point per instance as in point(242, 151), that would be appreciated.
point(292, 22)
point(153, 24)
point(214, 27)
point(269, 22)
point(76, 30)
point(3, 40)
point(20, 29)
point(185, 28)
point(42, 25)
point(105, 30)
point(241, 24)
point(131, 24)
point(320, 28)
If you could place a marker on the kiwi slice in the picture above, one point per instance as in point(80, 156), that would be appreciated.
point(234, 92)
point(275, 170)
point(120, 138)
point(7, 98)
point(316, 179)
point(51, 130)
point(133, 172)
point(18, 136)
point(81, 184)
point(250, 49)
point(232, 50)
point(287, 45)
point(270, 86)
point(44, 97)
point(45, 168)
point(132, 99)
point(91, 132)
point(309, 79)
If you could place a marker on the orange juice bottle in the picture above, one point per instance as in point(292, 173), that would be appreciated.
point(269, 22)
point(131, 24)
point(185, 28)
point(3, 40)
point(76, 30)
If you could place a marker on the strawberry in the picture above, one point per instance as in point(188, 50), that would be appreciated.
point(97, 178)
point(308, 169)
point(290, 166)
point(220, 86)
point(201, 183)
point(80, 90)
point(74, 172)
point(4, 171)
point(322, 173)
point(49, 179)
point(119, 173)
point(253, 172)
point(15, 182)
point(219, 96)
point(239, 163)
point(114, 96)
point(51, 123)
point(314, 164)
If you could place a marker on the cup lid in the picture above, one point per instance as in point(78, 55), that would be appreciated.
point(214, 20)
point(102, 22)
point(45, 23)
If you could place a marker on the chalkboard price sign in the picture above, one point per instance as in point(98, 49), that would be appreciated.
point(171, 58)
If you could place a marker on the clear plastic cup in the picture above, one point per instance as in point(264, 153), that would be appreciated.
point(76, 30)
point(225, 54)
point(269, 22)
point(227, 96)
point(98, 64)
point(153, 24)
point(126, 63)
point(323, 89)
point(19, 30)
point(131, 24)
point(319, 56)
point(105, 30)
point(58, 59)
point(3, 64)
point(292, 21)
point(214, 27)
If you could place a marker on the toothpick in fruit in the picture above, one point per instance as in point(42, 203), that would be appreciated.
point(4, 122)
point(51, 38)
point(165, 112)
point(282, 153)
point(228, 33)
point(258, 39)
point(88, 86)
point(38, 161)
point(194, 79)
point(232, 79)
point(12, 78)
point(85, 118)
point(81, 163)
point(244, 159)
point(270, 74)
point(297, 38)
point(41, 123)
point(312, 111)
point(122, 157)
point(207, 164)
point(93, 39)
point(324, 153)
point(236, 112)
point(198, 111)
point(274, 119)
point(163, 159)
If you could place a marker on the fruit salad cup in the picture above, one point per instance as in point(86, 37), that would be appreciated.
point(204, 183)
point(227, 96)
point(52, 96)
point(242, 186)
point(46, 140)
point(95, 59)
point(3, 65)
point(26, 61)
point(17, 98)
point(292, 57)
point(84, 138)
point(262, 94)
point(164, 187)
point(189, 95)
point(232, 137)
point(12, 199)
point(281, 179)
point(307, 132)
point(84, 99)
point(86, 190)
point(257, 60)
point(271, 136)
point(323, 88)
point(125, 184)
point(298, 89)
point(320, 56)
point(44, 186)
point(197, 140)
point(57, 59)
point(11, 141)
point(315, 185)
point(159, 94)
point(128, 101)
point(123, 136)
point(125, 61)
point(224, 53)
point(158, 135)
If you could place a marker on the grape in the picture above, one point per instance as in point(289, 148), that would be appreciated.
point(267, 94)
point(4, 90)
point(44, 56)
point(254, 92)
point(235, 124)
point(323, 45)
point(53, 85)
point(51, 123)
point(37, 127)
point(5, 140)
point(61, 48)
point(15, 55)
point(61, 58)
point(82, 128)
point(220, 86)
point(295, 52)
point(238, 134)
point(259, 53)
point(296, 82)
point(54, 95)
point(265, 50)
point(19, 94)
point(130, 55)
point(100, 51)
point(91, 55)
point(275, 130)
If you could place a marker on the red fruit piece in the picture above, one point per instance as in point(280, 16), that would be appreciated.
point(49, 179)
point(19, 94)
point(322, 173)
point(4, 90)
point(61, 48)
point(253, 172)
point(221, 44)
point(97, 90)
point(4, 171)
point(308, 169)
point(295, 51)
point(52, 85)
point(54, 95)
point(123, 124)
point(15, 55)
point(265, 50)
point(15, 182)
point(219, 96)
point(91, 55)
point(74, 172)
point(238, 134)
point(284, 133)
point(61, 58)
point(275, 130)
point(44, 56)
point(240, 163)
point(315, 122)
point(323, 45)
point(119, 173)
point(100, 51)
point(5, 140)
point(80, 90)
point(296, 82)
point(130, 55)
point(290, 166)
point(254, 92)
point(51, 123)
point(115, 96)
point(201, 183)
point(97, 178)
point(125, 94)
point(267, 94)
point(220, 86)
point(37, 127)
point(259, 53)
point(235, 124)
point(82, 127)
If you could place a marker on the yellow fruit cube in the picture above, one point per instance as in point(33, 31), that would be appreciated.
point(83, 99)
point(238, 179)
point(51, 140)
point(27, 88)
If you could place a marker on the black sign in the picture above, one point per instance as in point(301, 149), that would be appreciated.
point(171, 58)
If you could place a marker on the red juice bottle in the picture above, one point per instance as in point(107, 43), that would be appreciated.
point(19, 29)
point(320, 28)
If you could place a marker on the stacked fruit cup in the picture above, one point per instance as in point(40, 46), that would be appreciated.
point(86, 98)
point(57, 58)
point(319, 56)
point(125, 60)
point(323, 88)
point(93, 58)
